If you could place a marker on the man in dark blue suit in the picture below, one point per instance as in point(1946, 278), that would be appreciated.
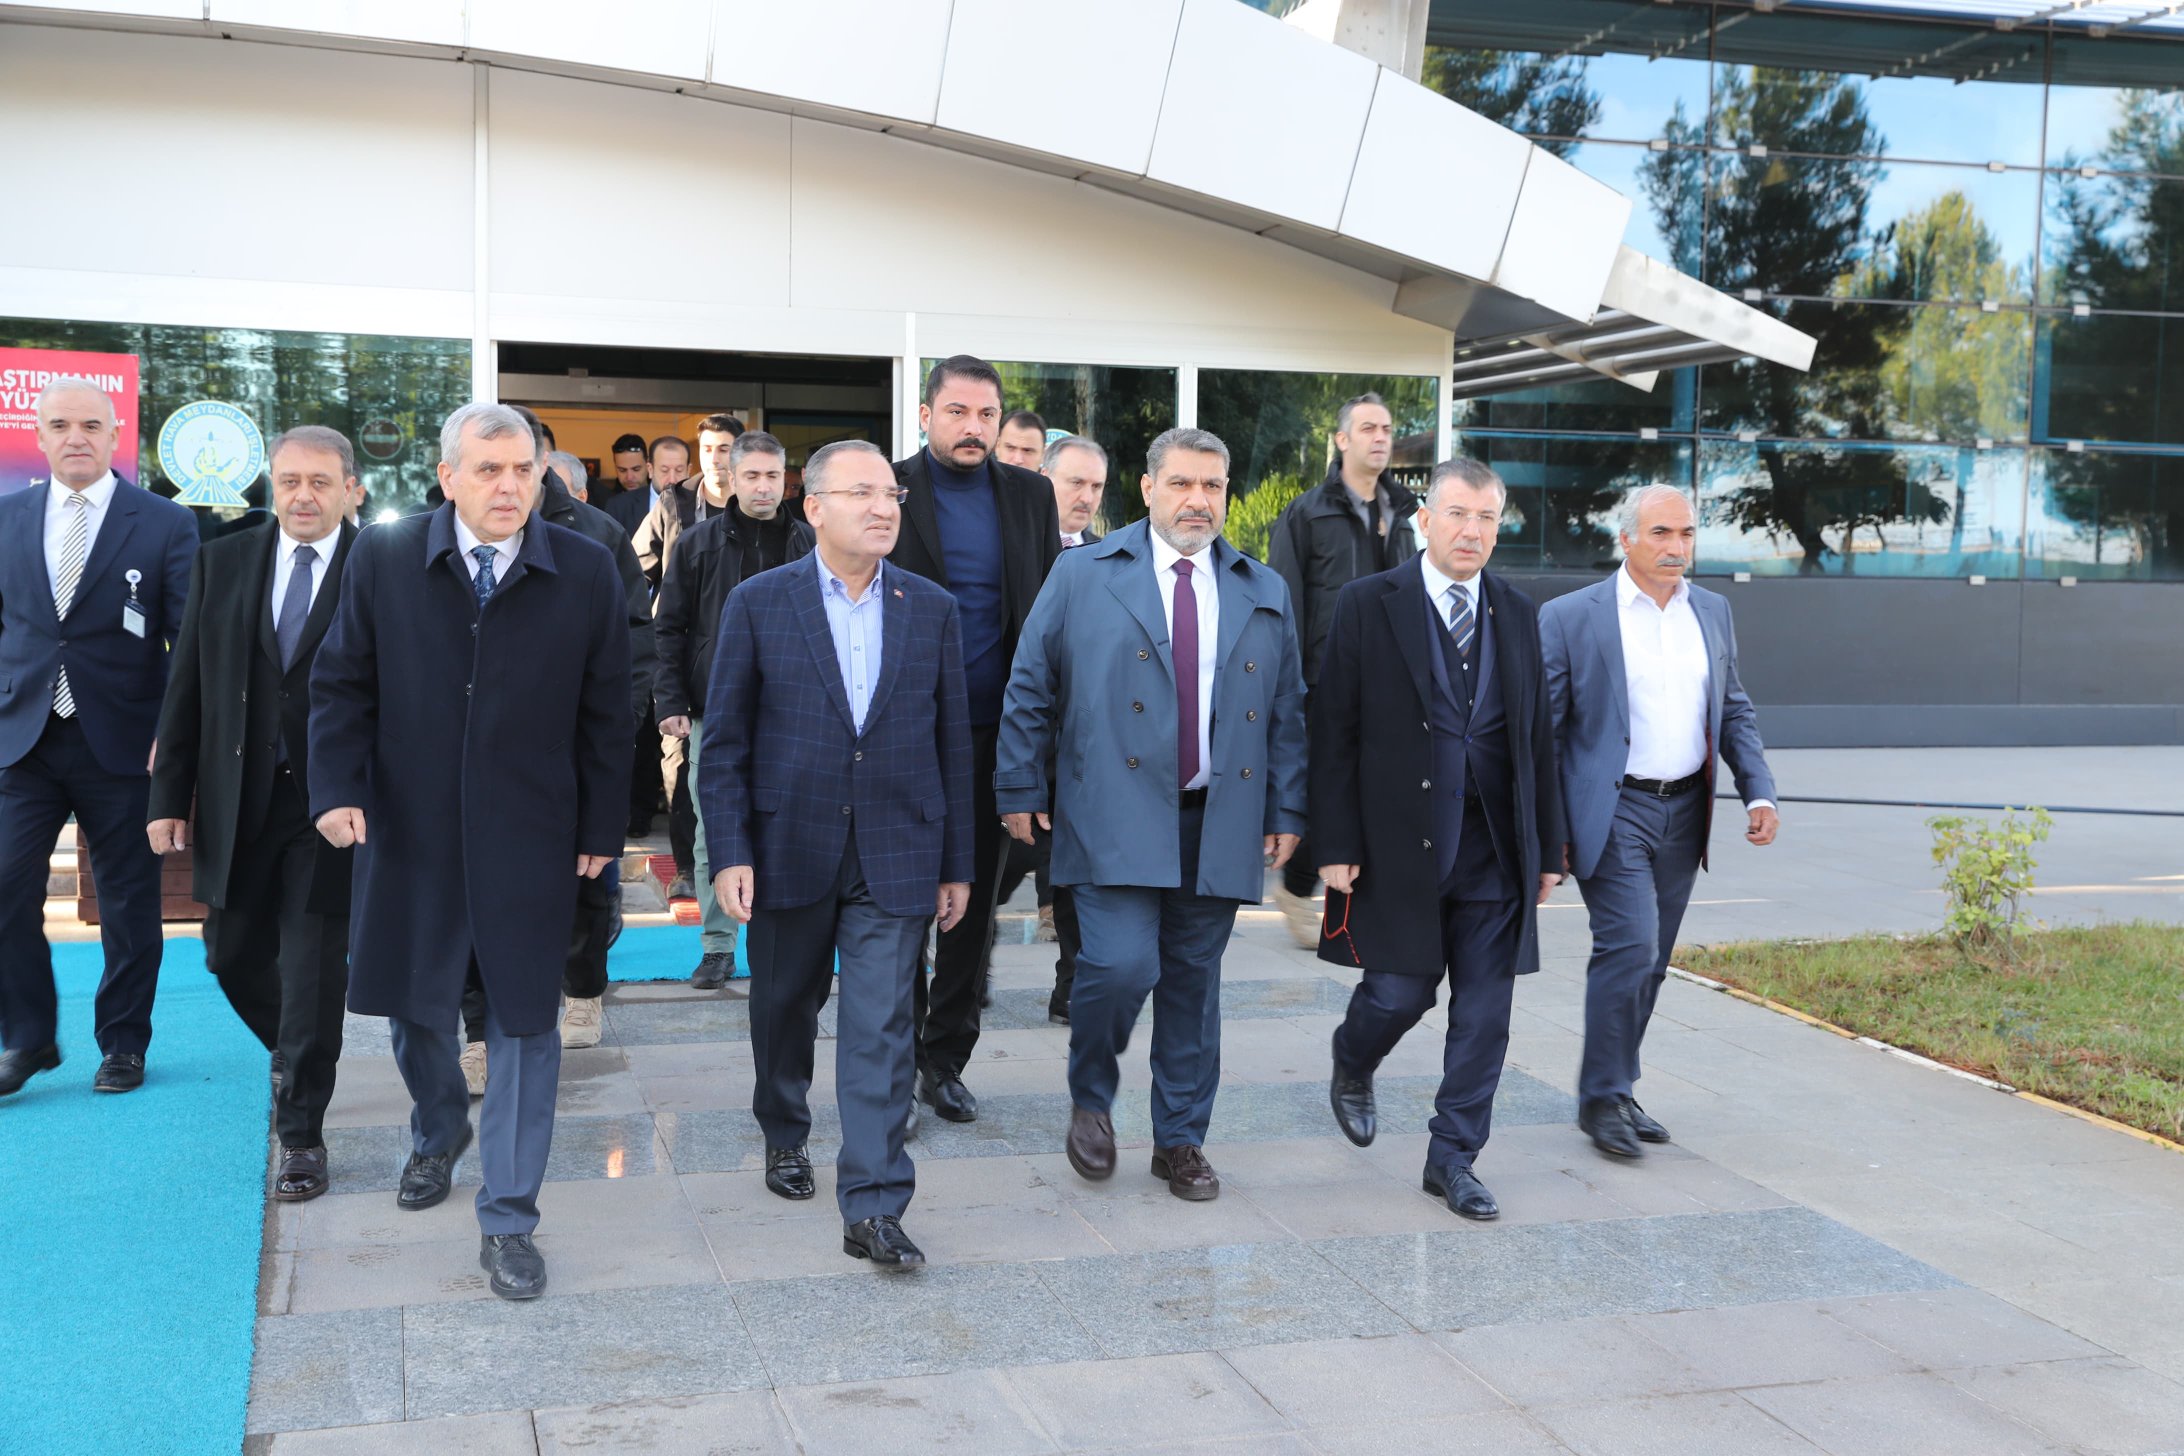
point(1433, 798)
point(94, 574)
point(836, 786)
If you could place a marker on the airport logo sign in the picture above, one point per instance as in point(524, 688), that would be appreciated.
point(211, 450)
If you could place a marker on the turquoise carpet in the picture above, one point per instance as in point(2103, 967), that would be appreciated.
point(133, 1222)
point(657, 953)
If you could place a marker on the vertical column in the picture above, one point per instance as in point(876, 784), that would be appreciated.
point(1186, 396)
point(908, 379)
point(484, 354)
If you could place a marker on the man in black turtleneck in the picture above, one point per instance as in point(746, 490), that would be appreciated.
point(739, 538)
point(987, 532)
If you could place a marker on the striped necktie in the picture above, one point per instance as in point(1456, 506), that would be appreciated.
point(74, 547)
point(1461, 626)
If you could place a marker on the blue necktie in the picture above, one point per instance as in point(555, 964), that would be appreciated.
point(295, 606)
point(484, 581)
point(1460, 622)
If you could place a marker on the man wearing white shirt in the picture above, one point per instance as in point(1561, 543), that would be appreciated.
point(277, 894)
point(1642, 678)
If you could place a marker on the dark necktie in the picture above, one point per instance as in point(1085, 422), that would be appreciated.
point(295, 606)
point(1460, 623)
point(484, 580)
point(1184, 643)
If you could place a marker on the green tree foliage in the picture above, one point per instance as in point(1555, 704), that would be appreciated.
point(1251, 518)
point(1985, 870)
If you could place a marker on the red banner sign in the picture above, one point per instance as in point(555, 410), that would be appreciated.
point(24, 372)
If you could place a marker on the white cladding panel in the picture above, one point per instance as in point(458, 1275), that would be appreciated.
point(1078, 81)
point(1407, 197)
point(1563, 239)
point(426, 22)
point(283, 163)
point(654, 37)
point(155, 9)
point(1261, 114)
point(877, 56)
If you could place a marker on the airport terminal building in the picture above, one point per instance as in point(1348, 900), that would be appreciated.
point(1903, 283)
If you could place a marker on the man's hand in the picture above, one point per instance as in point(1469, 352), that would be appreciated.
point(954, 898)
point(1279, 847)
point(1547, 885)
point(590, 865)
point(732, 887)
point(1019, 828)
point(1763, 826)
point(342, 827)
point(677, 726)
point(1342, 879)
point(167, 835)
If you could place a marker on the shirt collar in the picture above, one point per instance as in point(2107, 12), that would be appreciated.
point(98, 491)
point(1438, 584)
point(1166, 556)
point(466, 540)
point(1628, 593)
point(832, 585)
point(1072, 538)
point(323, 548)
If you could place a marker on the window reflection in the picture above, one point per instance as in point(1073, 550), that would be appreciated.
point(2116, 240)
point(2105, 95)
point(1614, 71)
point(1855, 509)
point(2107, 514)
point(1590, 404)
point(1564, 491)
point(2116, 377)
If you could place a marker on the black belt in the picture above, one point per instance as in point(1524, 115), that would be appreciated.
point(1191, 799)
point(1665, 788)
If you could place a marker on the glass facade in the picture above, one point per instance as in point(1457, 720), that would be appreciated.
point(388, 395)
point(1983, 229)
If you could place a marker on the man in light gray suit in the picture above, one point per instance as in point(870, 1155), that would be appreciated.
point(1158, 673)
point(1642, 683)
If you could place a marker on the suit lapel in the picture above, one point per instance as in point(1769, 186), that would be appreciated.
point(1239, 599)
point(1138, 589)
point(1516, 702)
point(811, 614)
point(1608, 639)
point(1717, 655)
point(258, 597)
point(1410, 617)
point(121, 509)
point(894, 640)
point(329, 592)
point(924, 519)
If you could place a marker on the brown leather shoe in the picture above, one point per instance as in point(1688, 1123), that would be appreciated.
point(1091, 1145)
point(1188, 1173)
point(302, 1174)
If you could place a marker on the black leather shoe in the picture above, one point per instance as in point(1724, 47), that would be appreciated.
point(1647, 1129)
point(517, 1267)
point(1464, 1194)
point(713, 970)
point(280, 1071)
point(910, 1121)
point(882, 1241)
point(1352, 1098)
point(16, 1068)
point(119, 1072)
point(427, 1177)
point(1190, 1177)
point(302, 1175)
point(1091, 1144)
point(1608, 1125)
point(948, 1097)
point(681, 889)
point(788, 1173)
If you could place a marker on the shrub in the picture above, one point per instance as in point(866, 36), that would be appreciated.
point(1985, 869)
point(1251, 517)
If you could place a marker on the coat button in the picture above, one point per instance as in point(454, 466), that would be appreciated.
point(238, 750)
point(1142, 653)
point(1425, 783)
point(1428, 843)
point(1247, 773)
point(845, 808)
point(1251, 715)
point(858, 756)
point(1131, 762)
point(1137, 707)
point(1251, 667)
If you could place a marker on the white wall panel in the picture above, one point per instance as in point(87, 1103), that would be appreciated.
point(1452, 211)
point(278, 162)
point(1563, 240)
point(878, 56)
point(426, 22)
point(1082, 81)
point(704, 185)
point(655, 37)
point(1261, 114)
point(153, 9)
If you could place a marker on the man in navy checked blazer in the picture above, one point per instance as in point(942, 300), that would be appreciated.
point(838, 807)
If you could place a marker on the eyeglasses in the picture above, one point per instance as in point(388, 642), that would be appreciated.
point(1488, 520)
point(865, 495)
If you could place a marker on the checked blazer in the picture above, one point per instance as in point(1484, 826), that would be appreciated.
point(785, 774)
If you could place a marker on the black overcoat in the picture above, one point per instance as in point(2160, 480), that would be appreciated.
point(1372, 760)
point(487, 750)
point(1031, 535)
point(228, 704)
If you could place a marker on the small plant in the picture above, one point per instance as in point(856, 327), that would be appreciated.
point(1985, 869)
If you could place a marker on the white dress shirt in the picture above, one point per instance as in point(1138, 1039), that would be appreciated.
point(1438, 590)
point(284, 567)
point(466, 541)
point(98, 495)
point(1669, 674)
point(1207, 592)
point(1072, 538)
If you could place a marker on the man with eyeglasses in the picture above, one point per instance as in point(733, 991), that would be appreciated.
point(836, 784)
point(1433, 796)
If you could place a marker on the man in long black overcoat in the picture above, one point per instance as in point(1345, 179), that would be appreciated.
point(470, 728)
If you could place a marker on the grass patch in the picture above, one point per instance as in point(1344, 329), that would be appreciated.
point(2093, 1017)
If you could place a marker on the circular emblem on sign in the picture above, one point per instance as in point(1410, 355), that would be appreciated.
point(211, 450)
point(381, 438)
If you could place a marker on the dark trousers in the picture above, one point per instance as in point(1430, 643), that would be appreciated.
point(1018, 860)
point(947, 1011)
point(1166, 944)
point(515, 1123)
point(59, 777)
point(283, 968)
point(645, 772)
point(584, 973)
point(793, 955)
point(682, 813)
point(1635, 898)
point(1479, 946)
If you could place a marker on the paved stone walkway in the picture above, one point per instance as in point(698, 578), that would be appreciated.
point(1841, 1252)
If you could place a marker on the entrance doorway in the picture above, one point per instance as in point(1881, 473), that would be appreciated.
point(590, 397)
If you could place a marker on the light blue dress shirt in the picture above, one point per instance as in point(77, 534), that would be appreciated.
point(855, 626)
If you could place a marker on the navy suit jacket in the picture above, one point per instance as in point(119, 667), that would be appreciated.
point(785, 774)
point(117, 678)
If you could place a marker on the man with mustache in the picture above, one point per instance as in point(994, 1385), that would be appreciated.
point(1158, 677)
point(1642, 682)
